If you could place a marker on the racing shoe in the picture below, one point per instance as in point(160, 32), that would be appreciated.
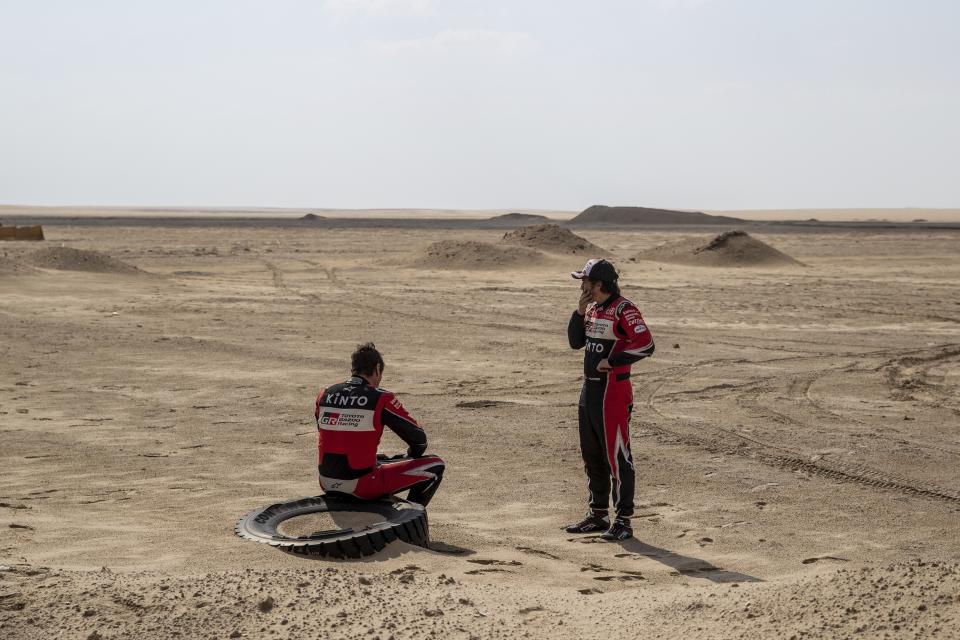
point(595, 521)
point(619, 530)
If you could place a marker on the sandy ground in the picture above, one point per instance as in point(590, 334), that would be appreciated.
point(797, 437)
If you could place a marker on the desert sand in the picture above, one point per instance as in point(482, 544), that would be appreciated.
point(796, 435)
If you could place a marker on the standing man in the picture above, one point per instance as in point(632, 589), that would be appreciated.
point(350, 421)
point(615, 336)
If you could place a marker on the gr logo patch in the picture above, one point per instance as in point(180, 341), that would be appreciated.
point(640, 328)
point(340, 419)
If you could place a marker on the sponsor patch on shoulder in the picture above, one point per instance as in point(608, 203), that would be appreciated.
point(640, 328)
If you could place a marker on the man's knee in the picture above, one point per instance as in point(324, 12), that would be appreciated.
point(434, 464)
point(596, 463)
point(436, 469)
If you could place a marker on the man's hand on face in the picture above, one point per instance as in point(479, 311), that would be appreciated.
point(604, 365)
point(585, 298)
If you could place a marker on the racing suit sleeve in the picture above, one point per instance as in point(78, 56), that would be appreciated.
point(638, 343)
point(316, 407)
point(402, 423)
point(576, 331)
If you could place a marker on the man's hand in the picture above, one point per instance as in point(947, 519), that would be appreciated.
point(604, 365)
point(585, 298)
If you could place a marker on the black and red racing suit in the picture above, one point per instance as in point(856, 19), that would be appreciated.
point(613, 330)
point(350, 421)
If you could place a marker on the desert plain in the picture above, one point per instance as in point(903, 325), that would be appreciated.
point(796, 434)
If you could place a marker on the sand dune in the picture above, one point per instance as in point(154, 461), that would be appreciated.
point(470, 254)
point(601, 214)
point(12, 266)
point(521, 217)
point(552, 238)
point(69, 259)
point(728, 249)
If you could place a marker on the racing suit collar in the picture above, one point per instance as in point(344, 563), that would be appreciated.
point(607, 302)
point(358, 380)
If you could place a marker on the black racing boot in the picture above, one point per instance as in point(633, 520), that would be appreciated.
point(595, 521)
point(619, 530)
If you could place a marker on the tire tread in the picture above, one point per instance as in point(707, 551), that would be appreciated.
point(405, 521)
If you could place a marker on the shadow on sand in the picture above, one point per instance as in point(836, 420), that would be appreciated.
point(683, 565)
point(450, 549)
point(393, 550)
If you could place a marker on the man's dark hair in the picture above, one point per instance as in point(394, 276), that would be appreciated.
point(365, 359)
point(607, 287)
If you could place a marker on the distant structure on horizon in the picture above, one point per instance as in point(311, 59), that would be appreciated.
point(602, 214)
point(30, 233)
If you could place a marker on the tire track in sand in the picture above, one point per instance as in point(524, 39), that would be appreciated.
point(281, 283)
point(716, 438)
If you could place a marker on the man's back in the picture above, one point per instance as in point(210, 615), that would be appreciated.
point(350, 420)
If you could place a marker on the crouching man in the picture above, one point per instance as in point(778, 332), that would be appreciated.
point(350, 421)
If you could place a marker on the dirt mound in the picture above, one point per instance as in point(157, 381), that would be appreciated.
point(550, 237)
point(909, 598)
point(469, 254)
point(729, 249)
point(313, 216)
point(914, 599)
point(600, 214)
point(9, 266)
point(67, 259)
point(520, 217)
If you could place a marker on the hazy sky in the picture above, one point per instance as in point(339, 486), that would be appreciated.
point(713, 104)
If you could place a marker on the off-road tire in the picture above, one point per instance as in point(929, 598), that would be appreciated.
point(406, 521)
